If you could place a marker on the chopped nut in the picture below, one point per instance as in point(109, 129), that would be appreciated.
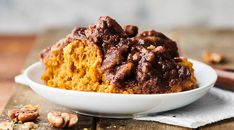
point(24, 114)
point(151, 47)
point(131, 30)
point(213, 58)
point(159, 49)
point(6, 125)
point(136, 56)
point(29, 126)
point(29, 107)
point(62, 120)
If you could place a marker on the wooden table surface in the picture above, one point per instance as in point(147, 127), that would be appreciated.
point(14, 57)
point(13, 52)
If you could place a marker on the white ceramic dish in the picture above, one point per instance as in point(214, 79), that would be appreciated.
point(121, 105)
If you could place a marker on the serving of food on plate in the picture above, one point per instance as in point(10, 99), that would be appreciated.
point(112, 71)
point(105, 57)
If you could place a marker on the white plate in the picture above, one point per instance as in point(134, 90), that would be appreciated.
point(120, 105)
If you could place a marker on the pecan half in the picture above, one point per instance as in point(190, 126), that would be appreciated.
point(24, 114)
point(62, 120)
point(213, 58)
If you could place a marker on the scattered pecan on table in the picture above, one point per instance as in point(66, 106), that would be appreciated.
point(213, 58)
point(24, 114)
point(62, 120)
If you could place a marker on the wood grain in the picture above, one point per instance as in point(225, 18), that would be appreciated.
point(6, 90)
point(221, 125)
point(13, 52)
point(129, 124)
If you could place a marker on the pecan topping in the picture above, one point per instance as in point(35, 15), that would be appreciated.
point(131, 30)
